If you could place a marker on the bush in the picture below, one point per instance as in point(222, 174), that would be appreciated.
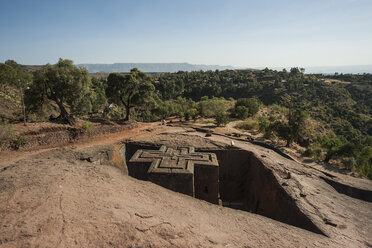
point(166, 109)
point(193, 113)
point(268, 133)
point(222, 119)
point(252, 106)
point(349, 162)
point(364, 161)
point(263, 123)
point(241, 112)
point(20, 141)
point(87, 126)
point(248, 124)
point(145, 116)
point(278, 109)
point(6, 132)
point(212, 107)
point(314, 152)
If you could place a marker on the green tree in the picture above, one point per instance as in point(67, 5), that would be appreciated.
point(241, 112)
point(7, 74)
point(221, 119)
point(251, 107)
point(164, 109)
point(296, 124)
point(332, 145)
point(263, 123)
point(211, 107)
point(193, 112)
point(364, 161)
point(98, 94)
point(290, 131)
point(18, 77)
point(129, 90)
point(21, 78)
point(65, 84)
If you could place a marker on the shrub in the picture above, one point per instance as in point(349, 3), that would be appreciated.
point(222, 119)
point(278, 109)
point(212, 107)
point(349, 162)
point(165, 109)
point(263, 123)
point(251, 104)
point(87, 126)
point(20, 141)
point(268, 134)
point(193, 113)
point(314, 152)
point(241, 112)
point(248, 124)
point(364, 161)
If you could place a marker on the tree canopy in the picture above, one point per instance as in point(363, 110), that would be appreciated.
point(7, 74)
point(63, 83)
point(129, 90)
point(245, 107)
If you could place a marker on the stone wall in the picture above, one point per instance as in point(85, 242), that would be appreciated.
point(245, 183)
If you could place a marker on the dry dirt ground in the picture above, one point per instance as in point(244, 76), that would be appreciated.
point(52, 198)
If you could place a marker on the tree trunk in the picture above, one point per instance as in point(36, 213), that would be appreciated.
point(289, 142)
point(64, 116)
point(127, 113)
point(328, 157)
point(23, 106)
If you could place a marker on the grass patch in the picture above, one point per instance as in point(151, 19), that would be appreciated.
point(247, 124)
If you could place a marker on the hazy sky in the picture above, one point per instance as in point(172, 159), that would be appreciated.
point(225, 32)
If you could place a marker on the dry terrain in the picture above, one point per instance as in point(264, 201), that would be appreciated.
point(67, 194)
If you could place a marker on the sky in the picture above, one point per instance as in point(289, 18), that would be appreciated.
point(240, 33)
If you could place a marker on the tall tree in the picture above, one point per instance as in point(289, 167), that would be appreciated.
point(65, 84)
point(245, 107)
point(296, 124)
point(14, 74)
point(129, 90)
point(7, 74)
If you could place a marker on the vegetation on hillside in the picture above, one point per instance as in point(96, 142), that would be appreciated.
point(330, 116)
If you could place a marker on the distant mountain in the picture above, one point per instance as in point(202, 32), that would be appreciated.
point(151, 67)
point(354, 69)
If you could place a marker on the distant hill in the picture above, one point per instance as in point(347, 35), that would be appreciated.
point(151, 67)
point(175, 67)
point(354, 69)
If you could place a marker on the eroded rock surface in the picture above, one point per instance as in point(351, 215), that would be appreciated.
point(71, 197)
